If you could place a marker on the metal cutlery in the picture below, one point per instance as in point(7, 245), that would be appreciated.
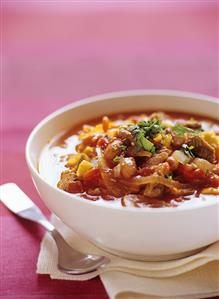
point(70, 261)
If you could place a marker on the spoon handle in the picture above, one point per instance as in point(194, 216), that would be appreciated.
point(21, 205)
point(70, 261)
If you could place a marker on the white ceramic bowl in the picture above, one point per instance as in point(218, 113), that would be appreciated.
point(140, 233)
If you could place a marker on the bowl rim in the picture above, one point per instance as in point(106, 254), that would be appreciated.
point(99, 98)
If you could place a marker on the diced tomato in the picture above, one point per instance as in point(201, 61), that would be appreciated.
point(190, 174)
point(102, 142)
point(88, 140)
point(214, 180)
point(197, 176)
point(91, 178)
point(75, 187)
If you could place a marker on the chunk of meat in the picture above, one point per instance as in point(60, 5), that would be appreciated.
point(66, 177)
point(158, 157)
point(202, 148)
point(75, 187)
point(69, 183)
point(91, 178)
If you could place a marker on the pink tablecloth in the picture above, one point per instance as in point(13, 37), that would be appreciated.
point(55, 54)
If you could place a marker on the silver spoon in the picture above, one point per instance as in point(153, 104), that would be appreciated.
point(70, 261)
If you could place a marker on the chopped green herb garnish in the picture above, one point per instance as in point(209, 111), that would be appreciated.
point(116, 159)
point(207, 172)
point(141, 141)
point(123, 147)
point(151, 127)
point(181, 130)
point(188, 150)
point(146, 144)
point(169, 176)
point(114, 147)
point(143, 131)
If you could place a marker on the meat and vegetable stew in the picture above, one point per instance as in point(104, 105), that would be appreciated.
point(154, 160)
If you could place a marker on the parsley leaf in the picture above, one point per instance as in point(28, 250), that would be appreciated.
point(151, 127)
point(143, 131)
point(181, 130)
point(116, 159)
point(123, 148)
point(146, 144)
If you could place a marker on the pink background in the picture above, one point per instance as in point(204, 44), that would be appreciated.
point(54, 54)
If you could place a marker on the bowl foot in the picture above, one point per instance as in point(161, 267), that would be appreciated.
point(152, 258)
